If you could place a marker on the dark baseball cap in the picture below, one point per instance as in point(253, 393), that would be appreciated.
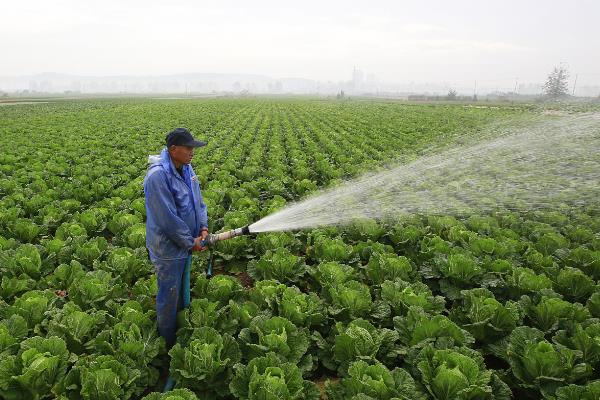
point(182, 137)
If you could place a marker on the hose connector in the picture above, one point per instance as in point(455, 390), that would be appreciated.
point(216, 237)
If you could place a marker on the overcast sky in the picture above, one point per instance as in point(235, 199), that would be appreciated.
point(398, 41)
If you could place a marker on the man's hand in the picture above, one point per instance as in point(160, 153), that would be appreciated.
point(198, 241)
point(204, 233)
point(198, 244)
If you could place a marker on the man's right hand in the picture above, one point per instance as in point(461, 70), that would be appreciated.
point(198, 244)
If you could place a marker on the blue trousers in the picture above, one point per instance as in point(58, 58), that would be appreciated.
point(170, 299)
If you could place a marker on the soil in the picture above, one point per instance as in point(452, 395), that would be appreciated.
point(320, 382)
point(245, 279)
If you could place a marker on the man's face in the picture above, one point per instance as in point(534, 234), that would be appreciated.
point(181, 154)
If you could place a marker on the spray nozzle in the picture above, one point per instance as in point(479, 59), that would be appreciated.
point(216, 237)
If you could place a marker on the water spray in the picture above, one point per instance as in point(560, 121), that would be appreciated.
point(544, 165)
point(547, 164)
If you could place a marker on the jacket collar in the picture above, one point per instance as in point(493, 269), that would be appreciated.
point(167, 163)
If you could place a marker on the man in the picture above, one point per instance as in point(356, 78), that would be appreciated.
point(176, 222)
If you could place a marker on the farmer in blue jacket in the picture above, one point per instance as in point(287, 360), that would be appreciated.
point(176, 224)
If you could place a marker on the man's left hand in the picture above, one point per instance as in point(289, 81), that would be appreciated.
point(197, 244)
point(204, 235)
point(198, 241)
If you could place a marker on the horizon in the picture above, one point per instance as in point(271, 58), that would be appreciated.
point(196, 83)
point(465, 44)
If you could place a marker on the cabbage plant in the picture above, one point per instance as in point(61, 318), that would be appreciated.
point(540, 366)
point(366, 381)
point(459, 374)
point(280, 264)
point(205, 363)
point(278, 335)
point(268, 378)
point(36, 370)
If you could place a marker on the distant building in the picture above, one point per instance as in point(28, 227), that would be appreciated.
point(358, 79)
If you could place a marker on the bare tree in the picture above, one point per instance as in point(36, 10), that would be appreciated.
point(451, 94)
point(557, 83)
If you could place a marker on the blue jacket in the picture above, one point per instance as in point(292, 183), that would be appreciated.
point(175, 210)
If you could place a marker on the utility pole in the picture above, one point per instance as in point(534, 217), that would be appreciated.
point(575, 84)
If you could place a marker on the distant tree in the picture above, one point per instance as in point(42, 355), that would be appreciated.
point(452, 94)
point(557, 83)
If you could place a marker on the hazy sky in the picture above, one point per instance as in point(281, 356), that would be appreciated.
point(398, 41)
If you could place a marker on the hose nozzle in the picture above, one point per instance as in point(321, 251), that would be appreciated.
point(216, 237)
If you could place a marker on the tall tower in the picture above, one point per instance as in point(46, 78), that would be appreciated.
point(358, 78)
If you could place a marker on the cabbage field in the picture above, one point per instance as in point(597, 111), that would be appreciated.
point(486, 306)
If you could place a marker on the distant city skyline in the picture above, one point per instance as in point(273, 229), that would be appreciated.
point(359, 83)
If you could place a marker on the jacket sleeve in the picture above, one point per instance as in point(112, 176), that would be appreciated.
point(161, 205)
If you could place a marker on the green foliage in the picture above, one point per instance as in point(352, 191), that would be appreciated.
point(205, 363)
point(524, 280)
point(270, 379)
point(77, 327)
point(32, 306)
point(401, 295)
point(484, 317)
point(382, 267)
point(176, 394)
point(122, 221)
point(25, 230)
point(302, 309)
point(352, 299)
point(331, 274)
point(458, 374)
point(280, 264)
point(429, 293)
point(126, 263)
point(586, 260)
point(459, 267)
point(99, 377)
point(327, 249)
point(541, 366)
point(584, 337)
point(135, 236)
point(589, 391)
point(418, 329)
point(548, 312)
point(274, 334)
point(27, 260)
point(360, 340)
point(375, 381)
point(219, 288)
point(73, 231)
point(36, 370)
point(574, 284)
point(91, 250)
point(276, 240)
point(365, 229)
